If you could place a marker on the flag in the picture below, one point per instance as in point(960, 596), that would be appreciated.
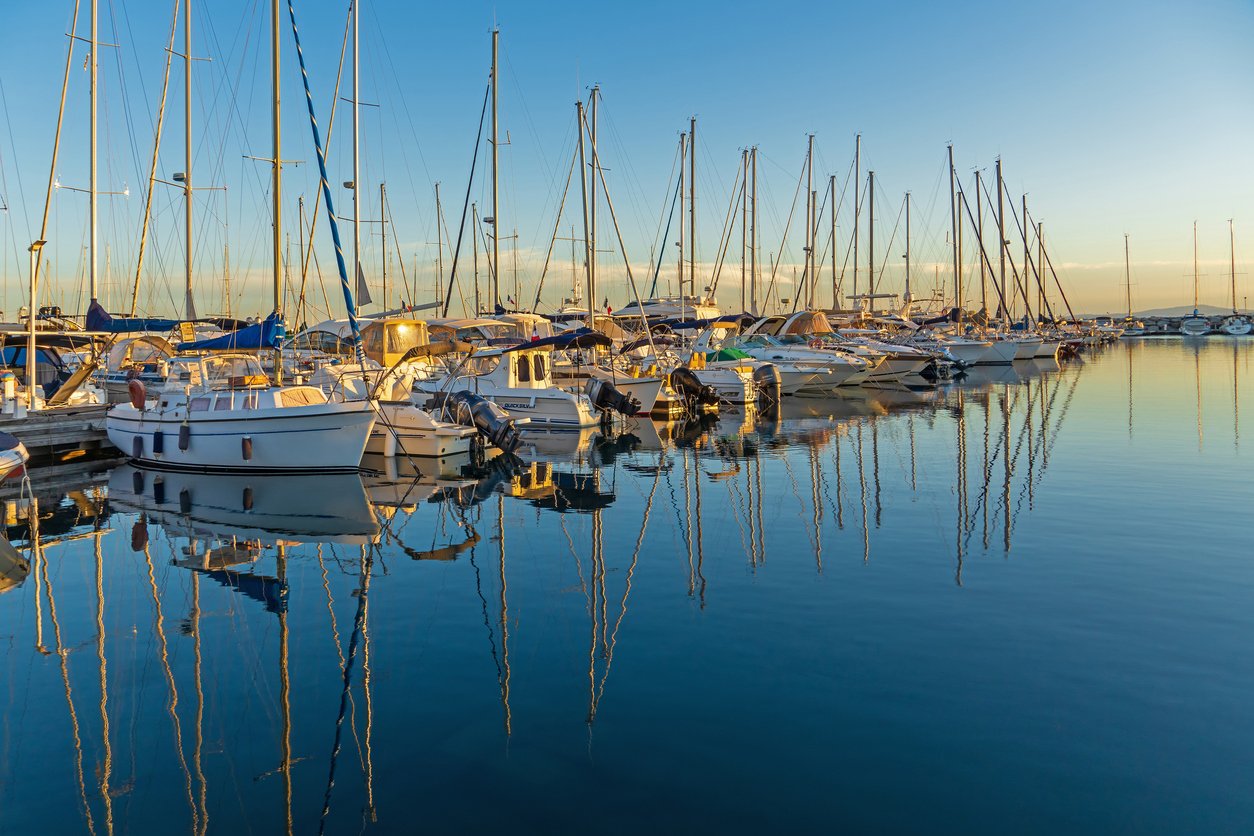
point(363, 292)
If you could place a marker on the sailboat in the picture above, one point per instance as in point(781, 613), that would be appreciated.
point(1132, 327)
point(1236, 325)
point(1195, 325)
point(222, 413)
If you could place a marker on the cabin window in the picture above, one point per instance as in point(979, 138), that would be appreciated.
point(539, 364)
point(524, 370)
point(223, 401)
point(372, 341)
point(199, 405)
point(249, 400)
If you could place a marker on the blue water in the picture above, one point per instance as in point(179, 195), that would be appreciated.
point(1016, 603)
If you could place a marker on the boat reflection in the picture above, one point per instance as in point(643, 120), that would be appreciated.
point(265, 509)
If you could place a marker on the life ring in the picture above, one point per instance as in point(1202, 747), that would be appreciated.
point(138, 393)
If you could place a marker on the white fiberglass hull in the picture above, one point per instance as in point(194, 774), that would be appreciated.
point(549, 407)
point(731, 385)
point(1195, 327)
point(1237, 326)
point(315, 437)
point(1000, 353)
point(965, 353)
point(404, 429)
point(1025, 348)
point(1047, 350)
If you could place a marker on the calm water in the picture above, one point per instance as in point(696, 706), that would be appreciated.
point(1023, 602)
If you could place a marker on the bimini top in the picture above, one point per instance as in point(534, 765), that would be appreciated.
point(581, 338)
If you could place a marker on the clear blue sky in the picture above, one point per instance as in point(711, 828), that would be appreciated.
point(1113, 117)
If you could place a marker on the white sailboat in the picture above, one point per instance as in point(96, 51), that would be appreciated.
point(1237, 325)
point(1195, 325)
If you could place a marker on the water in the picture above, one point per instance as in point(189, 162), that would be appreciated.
point(1018, 603)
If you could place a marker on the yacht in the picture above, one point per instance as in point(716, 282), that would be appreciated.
point(222, 413)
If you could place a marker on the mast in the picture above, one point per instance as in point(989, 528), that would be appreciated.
point(1001, 243)
point(1232, 264)
point(439, 242)
point(474, 244)
point(683, 158)
point(953, 221)
point(383, 239)
point(277, 188)
point(583, 187)
point(870, 259)
point(753, 230)
point(1027, 257)
point(1127, 272)
point(692, 208)
point(831, 186)
point(592, 200)
point(857, 204)
point(979, 232)
point(810, 220)
point(358, 276)
point(744, 220)
point(1194, 267)
point(496, 206)
point(91, 188)
point(907, 253)
point(189, 302)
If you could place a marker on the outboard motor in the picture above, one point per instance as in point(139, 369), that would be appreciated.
point(766, 381)
point(606, 397)
point(470, 410)
point(689, 387)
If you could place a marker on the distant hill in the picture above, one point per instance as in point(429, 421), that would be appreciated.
point(1178, 310)
point(1185, 310)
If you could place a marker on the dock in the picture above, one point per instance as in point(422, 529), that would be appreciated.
point(62, 433)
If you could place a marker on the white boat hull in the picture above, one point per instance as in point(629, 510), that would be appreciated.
point(316, 437)
point(404, 429)
point(1000, 353)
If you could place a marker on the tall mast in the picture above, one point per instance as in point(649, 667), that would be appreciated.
point(189, 303)
point(383, 238)
point(583, 188)
point(907, 253)
point(1194, 267)
point(1026, 256)
point(810, 220)
point(277, 187)
point(439, 241)
point(592, 195)
point(683, 178)
point(870, 246)
point(692, 207)
point(979, 232)
point(1127, 273)
point(857, 204)
point(953, 221)
point(753, 229)
point(358, 276)
point(1232, 263)
point(91, 189)
point(1001, 242)
point(744, 222)
point(496, 205)
point(474, 248)
point(831, 187)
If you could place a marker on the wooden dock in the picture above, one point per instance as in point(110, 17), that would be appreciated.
point(61, 433)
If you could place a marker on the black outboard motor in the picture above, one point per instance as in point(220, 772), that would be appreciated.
point(690, 388)
point(606, 397)
point(470, 410)
point(766, 381)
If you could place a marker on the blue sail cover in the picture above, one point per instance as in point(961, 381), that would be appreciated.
point(98, 319)
point(266, 334)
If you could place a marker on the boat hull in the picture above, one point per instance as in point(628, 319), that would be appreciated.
point(326, 437)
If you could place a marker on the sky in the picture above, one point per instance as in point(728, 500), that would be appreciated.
point(1113, 118)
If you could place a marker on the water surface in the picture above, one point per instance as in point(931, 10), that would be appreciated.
point(1020, 601)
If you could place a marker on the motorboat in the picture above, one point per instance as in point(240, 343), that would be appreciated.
point(401, 427)
point(221, 413)
point(517, 379)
